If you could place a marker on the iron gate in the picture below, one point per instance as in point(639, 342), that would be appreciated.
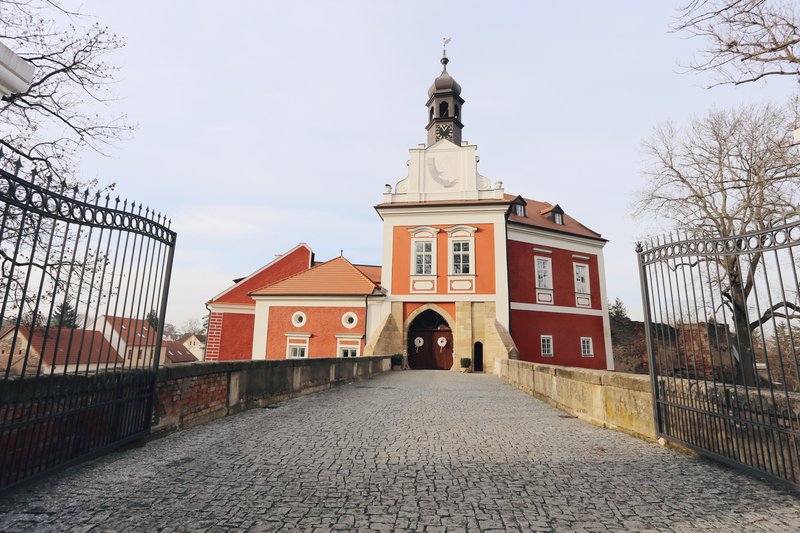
point(722, 322)
point(83, 294)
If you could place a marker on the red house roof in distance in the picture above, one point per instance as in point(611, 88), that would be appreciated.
point(536, 215)
point(133, 330)
point(176, 352)
point(335, 277)
point(371, 271)
point(296, 260)
point(64, 345)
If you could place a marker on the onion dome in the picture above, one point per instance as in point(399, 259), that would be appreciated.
point(445, 82)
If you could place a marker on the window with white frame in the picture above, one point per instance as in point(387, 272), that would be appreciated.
point(558, 218)
point(547, 345)
point(423, 257)
point(544, 273)
point(348, 352)
point(519, 210)
point(297, 346)
point(581, 278)
point(462, 253)
point(586, 347)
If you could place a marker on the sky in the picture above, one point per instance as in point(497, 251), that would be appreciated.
point(260, 125)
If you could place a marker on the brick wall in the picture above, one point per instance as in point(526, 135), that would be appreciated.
point(196, 393)
point(214, 336)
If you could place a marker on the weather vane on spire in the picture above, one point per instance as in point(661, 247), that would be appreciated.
point(445, 41)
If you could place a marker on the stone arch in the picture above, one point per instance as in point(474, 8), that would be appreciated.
point(421, 309)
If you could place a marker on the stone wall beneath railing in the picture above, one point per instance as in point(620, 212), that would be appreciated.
point(609, 399)
point(196, 393)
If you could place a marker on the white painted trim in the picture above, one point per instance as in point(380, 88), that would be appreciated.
point(468, 231)
point(349, 325)
point(549, 290)
point(260, 330)
point(556, 240)
point(552, 346)
point(233, 309)
point(604, 306)
point(438, 298)
point(312, 301)
point(520, 306)
point(298, 335)
point(542, 250)
point(299, 319)
point(421, 231)
point(584, 257)
point(345, 337)
point(349, 336)
point(310, 259)
point(587, 293)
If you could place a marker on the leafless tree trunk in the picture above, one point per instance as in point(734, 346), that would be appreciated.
point(747, 40)
point(729, 172)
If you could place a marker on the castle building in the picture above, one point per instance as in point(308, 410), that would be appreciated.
point(468, 272)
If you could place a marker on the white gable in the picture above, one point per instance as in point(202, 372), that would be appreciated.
point(443, 172)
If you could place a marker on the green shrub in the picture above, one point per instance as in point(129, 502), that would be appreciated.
point(466, 362)
point(397, 359)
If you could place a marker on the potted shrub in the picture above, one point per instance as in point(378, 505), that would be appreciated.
point(397, 361)
point(466, 363)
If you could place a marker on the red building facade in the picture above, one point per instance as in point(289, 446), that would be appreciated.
point(468, 272)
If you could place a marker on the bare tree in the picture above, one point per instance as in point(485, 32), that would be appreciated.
point(747, 40)
point(65, 111)
point(728, 173)
point(62, 113)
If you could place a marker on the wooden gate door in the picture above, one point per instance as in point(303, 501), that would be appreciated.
point(430, 343)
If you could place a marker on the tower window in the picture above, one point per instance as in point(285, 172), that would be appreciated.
point(431, 114)
point(444, 110)
point(458, 111)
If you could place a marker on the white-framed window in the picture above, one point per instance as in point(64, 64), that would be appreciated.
point(461, 257)
point(547, 345)
point(349, 320)
point(558, 218)
point(519, 210)
point(348, 352)
point(544, 273)
point(297, 345)
point(423, 258)
point(581, 278)
point(587, 350)
point(298, 319)
point(296, 352)
point(582, 290)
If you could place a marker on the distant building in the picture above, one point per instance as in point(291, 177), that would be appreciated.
point(56, 350)
point(468, 271)
point(195, 343)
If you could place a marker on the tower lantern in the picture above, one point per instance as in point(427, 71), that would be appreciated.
point(444, 107)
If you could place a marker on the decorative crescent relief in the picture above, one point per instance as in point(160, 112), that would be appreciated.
point(484, 184)
point(438, 175)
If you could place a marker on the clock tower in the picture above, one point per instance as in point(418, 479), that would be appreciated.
point(444, 108)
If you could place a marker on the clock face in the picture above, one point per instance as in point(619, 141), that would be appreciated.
point(444, 131)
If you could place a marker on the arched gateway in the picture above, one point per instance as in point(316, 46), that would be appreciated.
point(430, 342)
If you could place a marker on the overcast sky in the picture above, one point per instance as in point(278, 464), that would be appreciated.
point(265, 124)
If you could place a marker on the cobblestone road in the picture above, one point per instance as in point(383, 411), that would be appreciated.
point(408, 451)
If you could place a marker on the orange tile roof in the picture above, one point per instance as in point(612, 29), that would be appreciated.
point(335, 277)
point(371, 271)
point(535, 215)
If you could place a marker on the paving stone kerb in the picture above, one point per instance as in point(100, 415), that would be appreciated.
point(610, 399)
point(405, 451)
point(192, 394)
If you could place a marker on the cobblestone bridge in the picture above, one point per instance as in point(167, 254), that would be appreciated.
point(407, 451)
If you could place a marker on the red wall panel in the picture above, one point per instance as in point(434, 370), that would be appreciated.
point(236, 341)
point(323, 323)
point(522, 274)
point(566, 330)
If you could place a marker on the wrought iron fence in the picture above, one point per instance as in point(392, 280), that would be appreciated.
point(83, 292)
point(722, 322)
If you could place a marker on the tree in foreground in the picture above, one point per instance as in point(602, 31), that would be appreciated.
point(746, 40)
point(730, 172)
point(66, 108)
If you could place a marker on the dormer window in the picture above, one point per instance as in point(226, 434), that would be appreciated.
point(558, 218)
point(519, 210)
